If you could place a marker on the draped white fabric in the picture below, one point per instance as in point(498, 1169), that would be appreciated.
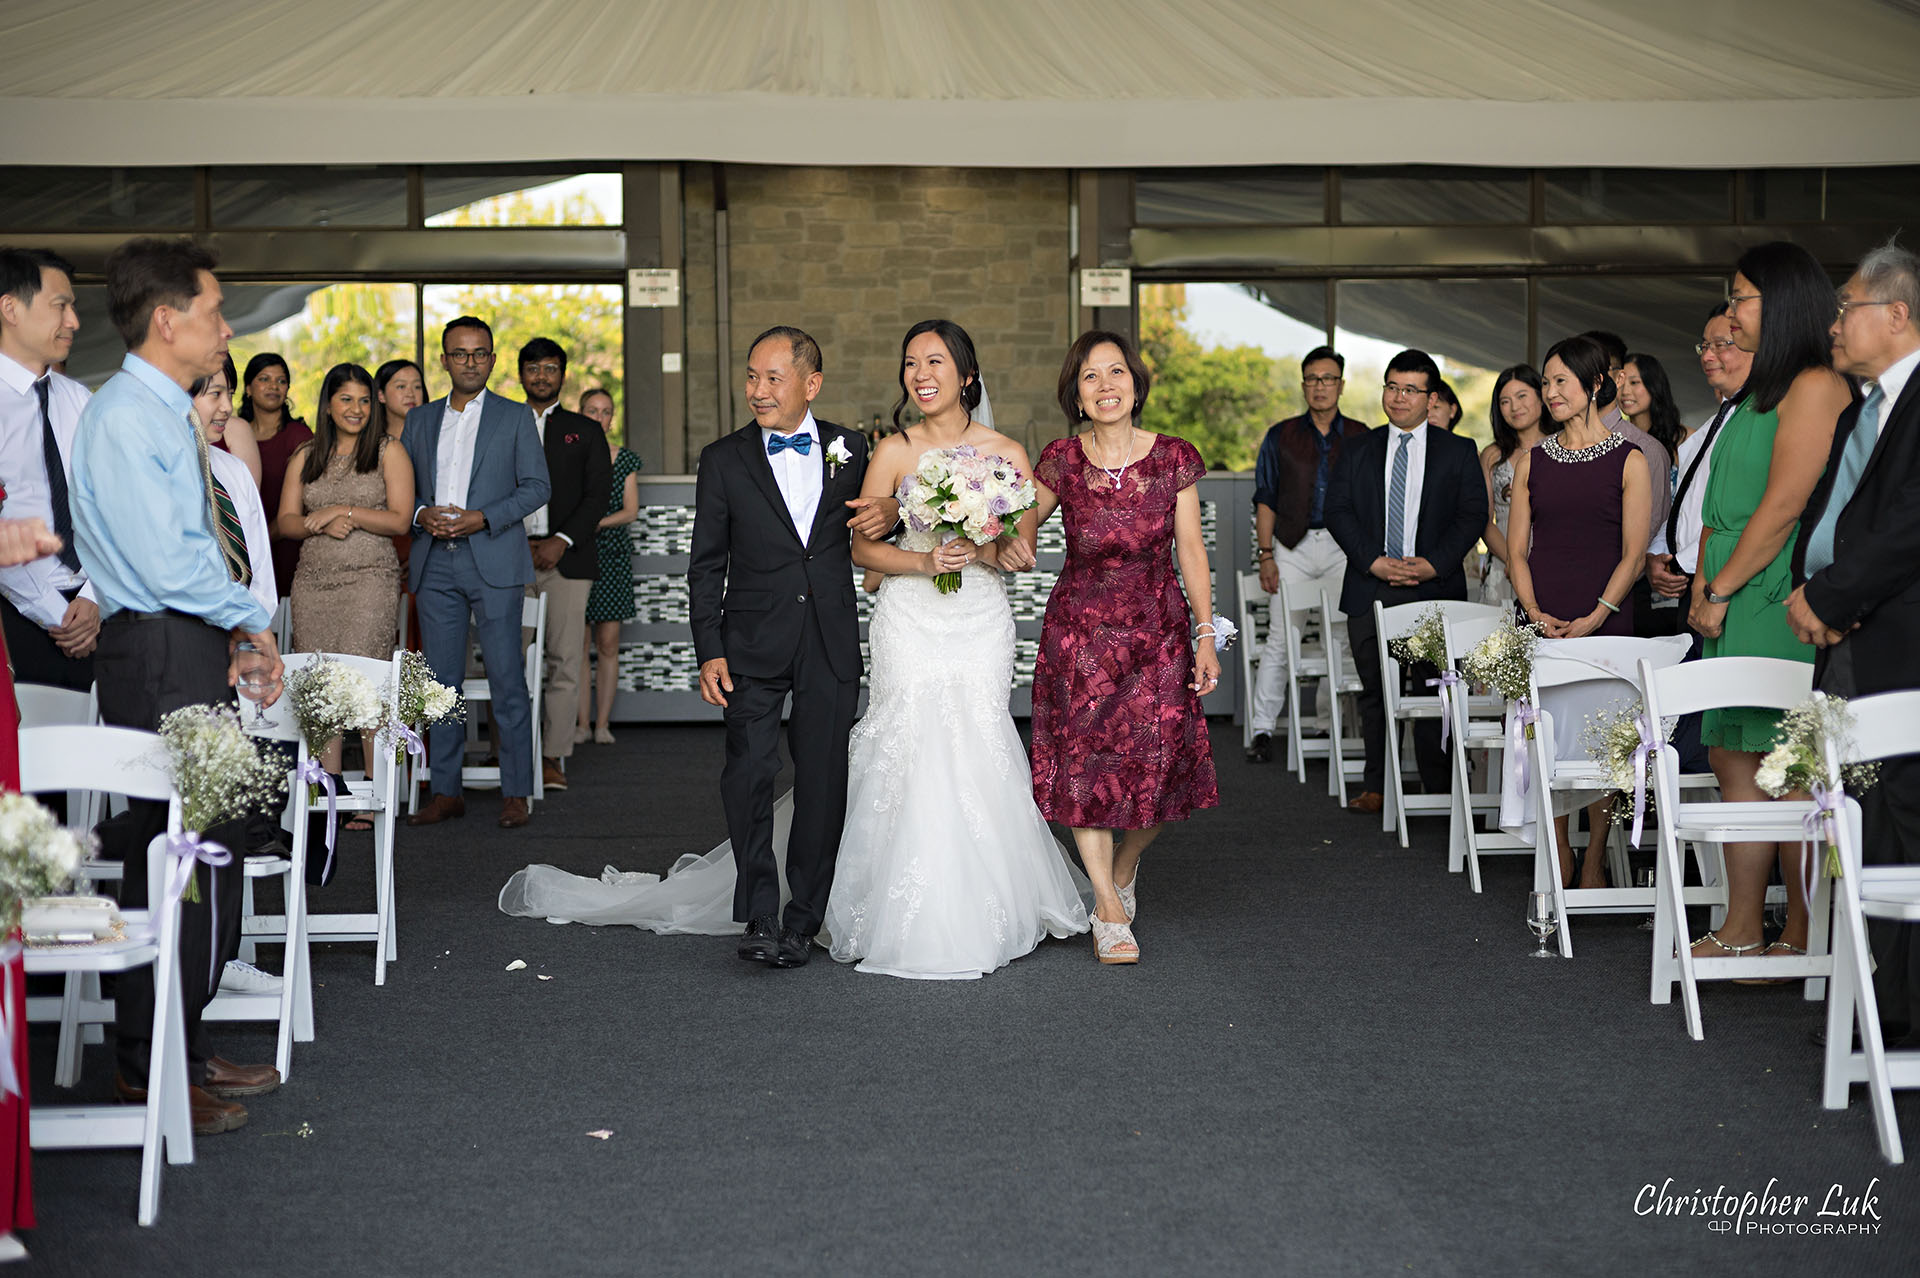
point(1080, 83)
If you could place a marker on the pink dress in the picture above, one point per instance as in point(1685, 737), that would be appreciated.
point(1119, 740)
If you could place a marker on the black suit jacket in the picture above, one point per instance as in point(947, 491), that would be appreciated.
point(1874, 580)
point(581, 471)
point(1453, 513)
point(752, 583)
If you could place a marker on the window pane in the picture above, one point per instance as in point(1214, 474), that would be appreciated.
point(330, 195)
point(1271, 197)
point(1472, 328)
point(1637, 195)
point(509, 198)
point(54, 198)
point(315, 326)
point(1432, 195)
point(1882, 194)
point(1660, 316)
point(586, 319)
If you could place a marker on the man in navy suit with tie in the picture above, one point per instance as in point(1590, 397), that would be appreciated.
point(1406, 505)
point(771, 594)
point(479, 471)
point(1858, 565)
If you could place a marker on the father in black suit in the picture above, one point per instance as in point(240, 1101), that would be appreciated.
point(1406, 505)
point(1858, 562)
point(770, 584)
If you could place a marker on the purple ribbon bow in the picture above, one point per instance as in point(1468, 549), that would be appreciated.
point(401, 735)
point(314, 774)
point(186, 848)
point(1519, 732)
point(1649, 742)
point(1448, 679)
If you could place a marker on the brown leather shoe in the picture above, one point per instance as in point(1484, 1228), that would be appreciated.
point(209, 1113)
point(1368, 803)
point(227, 1080)
point(441, 807)
point(551, 776)
point(513, 813)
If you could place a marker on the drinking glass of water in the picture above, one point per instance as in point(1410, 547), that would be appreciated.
point(255, 680)
point(1540, 921)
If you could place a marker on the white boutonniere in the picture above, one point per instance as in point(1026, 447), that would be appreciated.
point(837, 456)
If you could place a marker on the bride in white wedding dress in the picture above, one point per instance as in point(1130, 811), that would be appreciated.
point(946, 868)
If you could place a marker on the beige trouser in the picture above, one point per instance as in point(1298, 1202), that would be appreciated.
point(566, 646)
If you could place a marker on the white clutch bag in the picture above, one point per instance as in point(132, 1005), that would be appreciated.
point(68, 919)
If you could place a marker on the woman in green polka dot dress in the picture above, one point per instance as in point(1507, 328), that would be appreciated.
point(611, 600)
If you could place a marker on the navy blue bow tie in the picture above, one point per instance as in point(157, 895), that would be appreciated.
point(801, 443)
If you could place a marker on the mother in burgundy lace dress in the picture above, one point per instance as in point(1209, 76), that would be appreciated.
point(1119, 738)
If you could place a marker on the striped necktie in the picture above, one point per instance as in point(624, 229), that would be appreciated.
point(1397, 497)
point(227, 528)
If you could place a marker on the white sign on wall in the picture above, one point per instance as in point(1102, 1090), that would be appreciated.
point(653, 288)
point(1106, 286)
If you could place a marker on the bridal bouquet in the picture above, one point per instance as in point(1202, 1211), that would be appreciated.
point(217, 768)
point(420, 700)
point(1797, 761)
point(330, 699)
point(1503, 661)
point(37, 856)
point(961, 492)
point(1425, 644)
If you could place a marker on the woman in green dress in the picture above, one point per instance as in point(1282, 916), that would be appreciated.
point(1769, 456)
point(610, 602)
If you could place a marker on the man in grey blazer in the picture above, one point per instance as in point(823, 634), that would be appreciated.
point(478, 471)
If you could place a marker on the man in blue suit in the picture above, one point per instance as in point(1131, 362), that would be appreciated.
point(478, 471)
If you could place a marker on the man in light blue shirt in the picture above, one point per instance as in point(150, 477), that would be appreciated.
point(174, 604)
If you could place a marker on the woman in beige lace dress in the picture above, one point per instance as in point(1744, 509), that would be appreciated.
point(348, 493)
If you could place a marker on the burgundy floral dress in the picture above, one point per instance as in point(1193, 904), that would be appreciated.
point(1119, 740)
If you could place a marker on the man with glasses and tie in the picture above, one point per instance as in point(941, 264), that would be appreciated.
point(1858, 564)
point(1406, 505)
point(1296, 464)
point(171, 576)
point(50, 613)
point(478, 472)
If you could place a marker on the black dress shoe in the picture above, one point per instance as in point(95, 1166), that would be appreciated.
point(1261, 751)
point(795, 949)
point(760, 943)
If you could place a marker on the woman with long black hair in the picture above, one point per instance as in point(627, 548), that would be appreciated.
point(1516, 414)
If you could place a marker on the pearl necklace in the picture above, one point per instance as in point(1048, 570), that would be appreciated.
point(1115, 476)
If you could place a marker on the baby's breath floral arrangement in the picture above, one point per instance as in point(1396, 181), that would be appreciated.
point(218, 769)
point(419, 699)
point(330, 699)
point(1797, 761)
point(37, 856)
point(1503, 661)
point(1621, 740)
point(1425, 644)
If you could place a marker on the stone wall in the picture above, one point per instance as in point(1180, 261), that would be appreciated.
point(858, 255)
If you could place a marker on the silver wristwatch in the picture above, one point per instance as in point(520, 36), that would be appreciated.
point(1718, 599)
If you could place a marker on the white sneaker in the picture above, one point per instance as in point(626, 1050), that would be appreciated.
point(245, 978)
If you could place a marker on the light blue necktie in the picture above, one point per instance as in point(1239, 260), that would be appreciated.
point(1846, 481)
point(1397, 497)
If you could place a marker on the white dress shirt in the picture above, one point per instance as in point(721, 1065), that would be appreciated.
point(1687, 523)
point(1891, 384)
point(801, 477)
point(238, 481)
point(1415, 442)
point(37, 588)
point(453, 459)
point(536, 523)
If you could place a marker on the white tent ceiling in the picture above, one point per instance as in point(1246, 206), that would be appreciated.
point(1055, 83)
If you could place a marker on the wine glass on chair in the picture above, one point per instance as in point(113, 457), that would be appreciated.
point(255, 680)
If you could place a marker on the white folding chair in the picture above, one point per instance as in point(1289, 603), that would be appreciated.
point(1714, 684)
point(1254, 619)
point(1398, 710)
point(1885, 726)
point(1487, 736)
point(42, 705)
point(130, 763)
point(282, 625)
point(533, 616)
point(1304, 666)
point(1346, 759)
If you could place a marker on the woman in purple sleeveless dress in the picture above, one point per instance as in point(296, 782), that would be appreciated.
point(1577, 535)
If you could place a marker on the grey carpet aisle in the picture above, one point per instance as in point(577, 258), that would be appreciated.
point(1333, 1059)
